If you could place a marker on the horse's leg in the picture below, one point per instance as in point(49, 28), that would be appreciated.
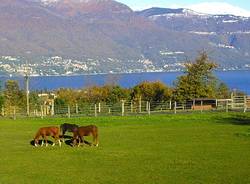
point(95, 138)
point(46, 140)
point(75, 137)
point(57, 138)
point(36, 142)
point(59, 141)
point(80, 140)
point(74, 142)
point(63, 133)
point(42, 141)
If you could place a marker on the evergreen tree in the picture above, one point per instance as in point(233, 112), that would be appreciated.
point(198, 81)
point(223, 91)
point(12, 94)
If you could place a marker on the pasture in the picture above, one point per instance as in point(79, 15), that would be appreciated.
point(190, 148)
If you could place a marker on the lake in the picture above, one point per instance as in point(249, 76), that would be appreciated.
point(239, 80)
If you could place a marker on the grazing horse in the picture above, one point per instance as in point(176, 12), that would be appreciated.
point(85, 131)
point(47, 131)
point(66, 127)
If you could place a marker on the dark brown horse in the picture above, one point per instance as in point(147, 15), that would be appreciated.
point(85, 131)
point(66, 127)
point(47, 131)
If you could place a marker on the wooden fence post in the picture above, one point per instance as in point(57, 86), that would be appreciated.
point(123, 108)
point(175, 106)
point(3, 111)
point(149, 108)
point(95, 110)
point(14, 113)
point(131, 106)
point(140, 104)
point(77, 110)
point(99, 107)
point(53, 108)
point(68, 111)
point(201, 106)
point(41, 111)
point(226, 105)
point(245, 104)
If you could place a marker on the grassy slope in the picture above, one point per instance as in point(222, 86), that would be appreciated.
point(208, 148)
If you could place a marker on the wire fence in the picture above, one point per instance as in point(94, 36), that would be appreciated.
point(131, 108)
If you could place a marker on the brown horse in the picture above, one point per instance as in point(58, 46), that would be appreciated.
point(47, 131)
point(85, 131)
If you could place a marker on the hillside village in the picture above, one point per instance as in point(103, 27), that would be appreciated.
point(16, 66)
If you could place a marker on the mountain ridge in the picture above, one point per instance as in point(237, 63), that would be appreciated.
point(109, 36)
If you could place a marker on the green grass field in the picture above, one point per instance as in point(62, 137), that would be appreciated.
point(191, 148)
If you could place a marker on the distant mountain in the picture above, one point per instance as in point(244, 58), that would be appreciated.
point(107, 36)
point(228, 34)
point(219, 8)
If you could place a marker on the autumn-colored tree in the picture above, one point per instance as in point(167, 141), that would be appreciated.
point(95, 94)
point(108, 93)
point(66, 96)
point(152, 91)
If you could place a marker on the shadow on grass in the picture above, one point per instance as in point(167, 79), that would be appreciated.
point(235, 120)
point(40, 142)
point(68, 140)
point(70, 143)
point(243, 134)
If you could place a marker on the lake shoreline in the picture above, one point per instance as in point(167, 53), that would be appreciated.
point(239, 80)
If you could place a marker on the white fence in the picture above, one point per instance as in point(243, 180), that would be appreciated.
point(125, 108)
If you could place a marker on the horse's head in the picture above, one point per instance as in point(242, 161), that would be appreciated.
point(36, 142)
point(74, 129)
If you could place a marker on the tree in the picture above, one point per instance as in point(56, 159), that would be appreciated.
point(1, 98)
point(34, 100)
point(116, 94)
point(109, 93)
point(12, 94)
point(95, 94)
point(152, 91)
point(67, 96)
point(222, 91)
point(199, 81)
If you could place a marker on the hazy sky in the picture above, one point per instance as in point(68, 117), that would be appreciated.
point(142, 4)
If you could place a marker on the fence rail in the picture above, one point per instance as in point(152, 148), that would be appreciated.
point(125, 108)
